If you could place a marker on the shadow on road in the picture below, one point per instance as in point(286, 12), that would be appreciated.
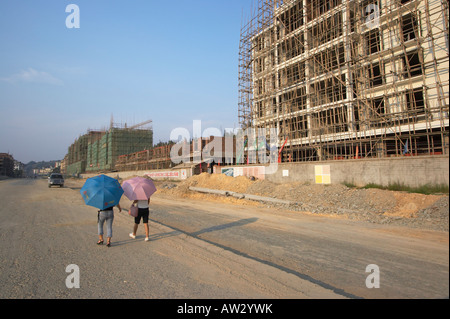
point(177, 232)
point(238, 223)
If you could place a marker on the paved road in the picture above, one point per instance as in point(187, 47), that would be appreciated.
point(206, 250)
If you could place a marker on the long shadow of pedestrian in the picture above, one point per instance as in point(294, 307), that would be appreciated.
point(165, 235)
point(238, 223)
point(123, 242)
point(196, 234)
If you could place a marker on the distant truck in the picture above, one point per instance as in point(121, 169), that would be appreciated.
point(55, 179)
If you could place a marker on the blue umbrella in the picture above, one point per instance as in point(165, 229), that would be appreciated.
point(101, 192)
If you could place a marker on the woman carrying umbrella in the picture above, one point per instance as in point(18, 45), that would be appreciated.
point(103, 192)
point(139, 190)
point(143, 212)
point(107, 215)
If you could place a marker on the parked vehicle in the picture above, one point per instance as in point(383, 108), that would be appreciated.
point(55, 179)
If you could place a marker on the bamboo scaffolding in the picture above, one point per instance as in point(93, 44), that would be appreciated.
point(344, 79)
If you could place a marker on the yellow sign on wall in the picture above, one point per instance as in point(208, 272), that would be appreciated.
point(323, 174)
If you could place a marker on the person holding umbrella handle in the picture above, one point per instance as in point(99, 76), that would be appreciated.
point(103, 192)
point(143, 212)
point(139, 190)
point(107, 215)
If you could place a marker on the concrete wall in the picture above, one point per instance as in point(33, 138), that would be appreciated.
point(174, 174)
point(407, 171)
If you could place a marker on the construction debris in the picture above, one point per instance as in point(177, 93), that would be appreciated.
point(373, 205)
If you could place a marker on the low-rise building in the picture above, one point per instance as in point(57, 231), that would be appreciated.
point(6, 165)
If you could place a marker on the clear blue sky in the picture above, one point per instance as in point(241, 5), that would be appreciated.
point(169, 61)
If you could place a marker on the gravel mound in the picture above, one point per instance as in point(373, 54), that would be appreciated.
point(371, 205)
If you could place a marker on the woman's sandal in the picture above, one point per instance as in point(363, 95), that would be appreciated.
point(108, 244)
point(100, 242)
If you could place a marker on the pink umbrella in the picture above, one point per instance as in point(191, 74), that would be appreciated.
point(138, 188)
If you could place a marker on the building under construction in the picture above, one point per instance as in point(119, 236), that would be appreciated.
point(99, 150)
point(200, 151)
point(149, 159)
point(341, 79)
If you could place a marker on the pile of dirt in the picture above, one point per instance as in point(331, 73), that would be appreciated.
point(215, 181)
point(238, 184)
point(373, 205)
point(315, 196)
point(205, 180)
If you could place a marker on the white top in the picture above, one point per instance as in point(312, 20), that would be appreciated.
point(142, 203)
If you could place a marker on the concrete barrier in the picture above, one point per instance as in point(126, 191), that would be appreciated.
point(241, 196)
point(209, 191)
point(165, 174)
point(268, 199)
